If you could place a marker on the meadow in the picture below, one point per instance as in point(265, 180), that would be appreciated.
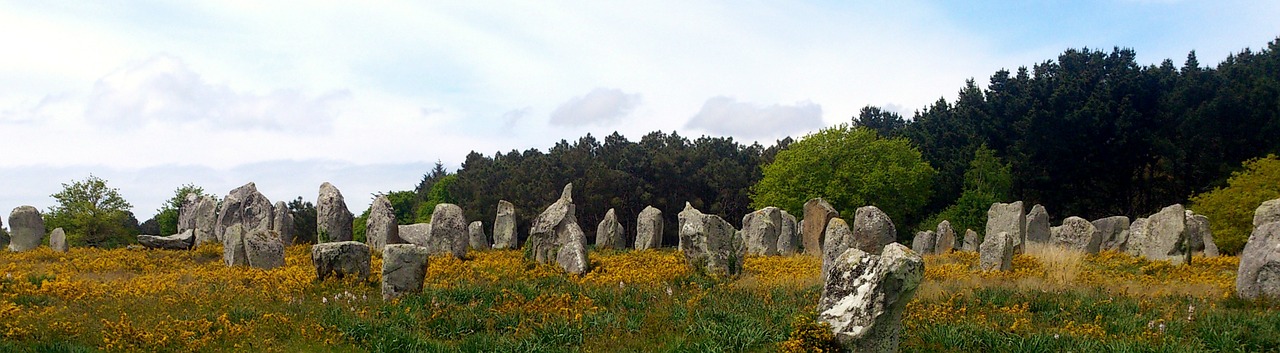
point(179, 301)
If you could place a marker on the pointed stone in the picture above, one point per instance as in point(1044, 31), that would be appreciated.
point(710, 244)
point(817, 213)
point(283, 223)
point(924, 242)
point(333, 218)
point(761, 230)
point(789, 236)
point(205, 215)
point(971, 240)
point(555, 236)
point(244, 206)
point(609, 233)
point(872, 230)
point(504, 227)
point(448, 231)
point(1008, 218)
point(475, 236)
point(946, 239)
point(381, 228)
point(1038, 225)
point(649, 229)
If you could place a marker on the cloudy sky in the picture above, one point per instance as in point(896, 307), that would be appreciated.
point(368, 95)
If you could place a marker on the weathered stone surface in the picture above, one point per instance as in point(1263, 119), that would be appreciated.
point(1077, 234)
point(504, 226)
point(416, 233)
point(1162, 235)
point(333, 219)
point(838, 239)
point(475, 236)
point(448, 231)
point(556, 237)
point(1199, 235)
point(872, 230)
point(283, 223)
point(26, 229)
point(58, 240)
point(817, 213)
point(244, 206)
point(180, 241)
point(205, 220)
point(1115, 232)
point(340, 259)
point(264, 249)
point(233, 250)
point(683, 216)
point(789, 235)
point(923, 243)
point(864, 296)
point(381, 228)
point(996, 252)
point(1267, 212)
point(649, 229)
point(710, 244)
point(1008, 218)
point(404, 267)
point(1037, 225)
point(1259, 271)
point(186, 212)
point(971, 240)
point(609, 233)
point(761, 229)
point(946, 239)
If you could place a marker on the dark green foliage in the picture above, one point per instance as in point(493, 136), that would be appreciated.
point(167, 216)
point(304, 220)
point(662, 170)
point(987, 181)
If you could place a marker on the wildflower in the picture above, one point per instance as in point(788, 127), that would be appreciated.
point(668, 291)
point(324, 300)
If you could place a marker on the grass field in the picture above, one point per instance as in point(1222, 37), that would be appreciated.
point(179, 301)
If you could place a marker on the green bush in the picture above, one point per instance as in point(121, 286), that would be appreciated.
point(1230, 209)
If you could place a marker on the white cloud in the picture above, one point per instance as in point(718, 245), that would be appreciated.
point(726, 116)
point(601, 106)
point(163, 89)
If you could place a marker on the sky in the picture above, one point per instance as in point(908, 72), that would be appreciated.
point(152, 95)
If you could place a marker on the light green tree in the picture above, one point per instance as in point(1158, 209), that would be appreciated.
point(850, 168)
point(1230, 209)
point(988, 180)
point(91, 213)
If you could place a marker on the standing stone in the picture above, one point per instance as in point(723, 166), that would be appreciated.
point(1077, 234)
point(710, 245)
point(1038, 225)
point(609, 233)
point(838, 239)
point(761, 229)
point(971, 240)
point(340, 259)
point(283, 223)
point(864, 296)
point(649, 229)
point(996, 252)
point(26, 229)
point(186, 211)
point(689, 212)
point(263, 249)
point(1267, 212)
point(923, 243)
point(1115, 232)
point(381, 228)
point(1200, 235)
point(556, 237)
point(1259, 271)
point(333, 219)
point(448, 231)
point(504, 227)
point(416, 233)
point(233, 250)
point(872, 230)
point(817, 213)
point(476, 237)
point(180, 241)
point(205, 220)
point(946, 240)
point(788, 236)
point(1009, 218)
point(404, 269)
point(244, 206)
point(58, 240)
point(1163, 236)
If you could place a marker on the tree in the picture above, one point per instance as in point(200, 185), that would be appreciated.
point(850, 168)
point(304, 220)
point(885, 123)
point(1230, 209)
point(167, 216)
point(439, 194)
point(91, 214)
point(987, 181)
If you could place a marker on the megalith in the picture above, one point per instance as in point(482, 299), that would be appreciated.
point(333, 218)
point(710, 244)
point(649, 229)
point(556, 238)
point(864, 296)
point(817, 213)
